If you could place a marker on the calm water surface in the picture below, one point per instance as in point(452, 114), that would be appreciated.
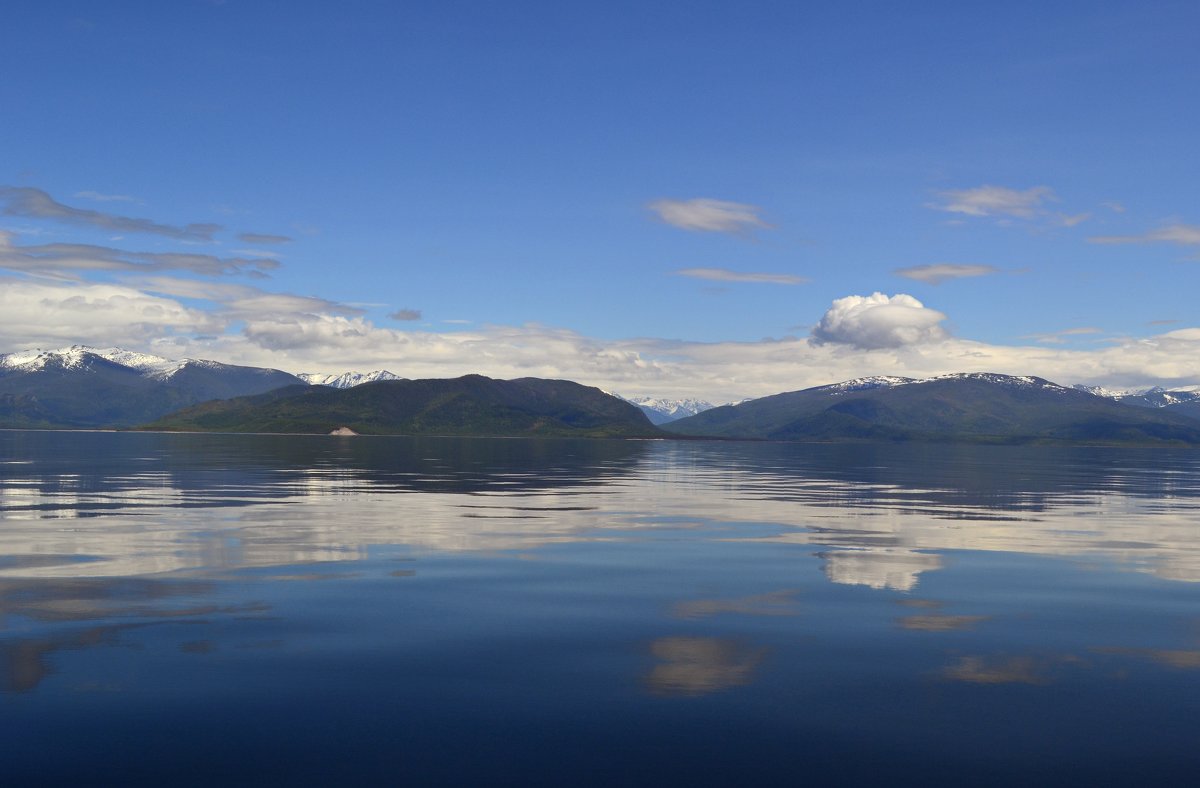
point(195, 609)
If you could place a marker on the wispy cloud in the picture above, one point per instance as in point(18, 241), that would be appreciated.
point(1061, 337)
point(31, 203)
point(63, 258)
point(99, 197)
point(725, 275)
point(406, 315)
point(238, 301)
point(1071, 220)
point(703, 214)
point(936, 273)
point(1182, 234)
point(996, 201)
point(263, 238)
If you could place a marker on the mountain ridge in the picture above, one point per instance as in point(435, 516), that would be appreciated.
point(468, 405)
point(976, 407)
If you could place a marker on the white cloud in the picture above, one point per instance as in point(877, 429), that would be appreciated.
point(996, 201)
point(725, 275)
point(936, 273)
point(707, 215)
point(41, 314)
point(1182, 234)
point(879, 321)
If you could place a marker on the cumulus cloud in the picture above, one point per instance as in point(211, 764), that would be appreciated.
point(405, 315)
point(725, 275)
point(1182, 234)
point(996, 201)
point(61, 258)
point(263, 238)
point(707, 215)
point(879, 321)
point(936, 273)
point(31, 203)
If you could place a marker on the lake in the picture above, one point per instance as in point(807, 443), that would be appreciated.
point(240, 609)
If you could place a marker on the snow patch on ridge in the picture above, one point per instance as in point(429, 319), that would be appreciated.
point(347, 380)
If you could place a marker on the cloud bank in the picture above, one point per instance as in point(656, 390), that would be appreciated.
point(860, 335)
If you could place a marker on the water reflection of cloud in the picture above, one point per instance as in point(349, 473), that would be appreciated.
point(894, 568)
point(1182, 659)
point(25, 663)
point(773, 603)
point(700, 665)
point(940, 623)
point(56, 604)
point(996, 670)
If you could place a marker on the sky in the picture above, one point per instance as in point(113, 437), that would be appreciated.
point(667, 199)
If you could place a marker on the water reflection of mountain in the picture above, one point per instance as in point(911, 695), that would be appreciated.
point(890, 510)
point(226, 469)
point(953, 480)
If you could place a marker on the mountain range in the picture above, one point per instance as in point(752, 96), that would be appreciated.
point(661, 411)
point(976, 407)
point(81, 387)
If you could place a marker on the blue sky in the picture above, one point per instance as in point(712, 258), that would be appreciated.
point(659, 198)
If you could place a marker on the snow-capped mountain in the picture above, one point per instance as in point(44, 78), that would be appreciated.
point(661, 411)
point(889, 381)
point(347, 380)
point(972, 406)
point(79, 386)
point(1153, 397)
point(78, 356)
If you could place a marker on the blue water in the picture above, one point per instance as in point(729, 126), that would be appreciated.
point(193, 609)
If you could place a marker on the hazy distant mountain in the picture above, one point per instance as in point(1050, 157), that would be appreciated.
point(1156, 397)
point(972, 407)
point(661, 411)
point(347, 379)
point(90, 388)
point(470, 405)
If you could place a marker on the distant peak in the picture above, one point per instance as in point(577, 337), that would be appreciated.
point(346, 380)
